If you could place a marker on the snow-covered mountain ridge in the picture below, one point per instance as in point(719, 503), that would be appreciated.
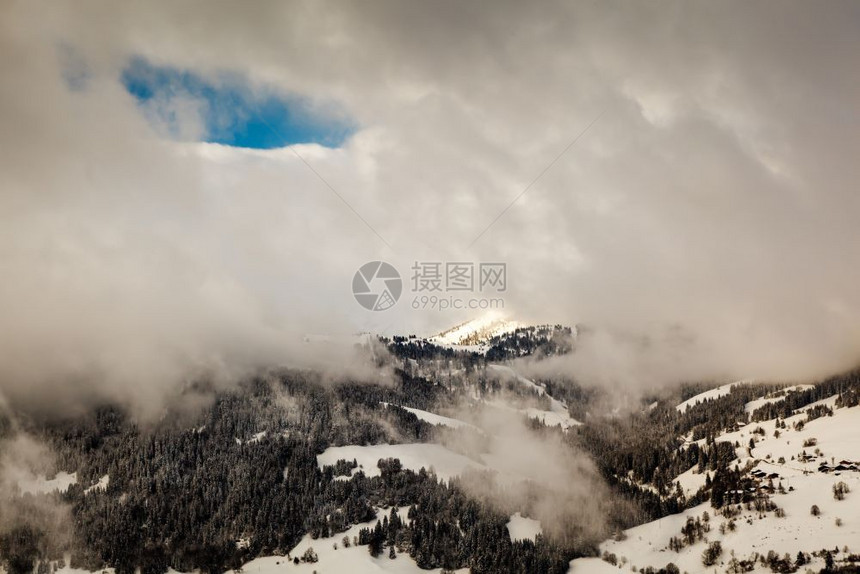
point(797, 509)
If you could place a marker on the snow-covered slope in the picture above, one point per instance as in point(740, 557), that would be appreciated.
point(101, 484)
point(801, 463)
point(558, 414)
point(716, 393)
point(334, 557)
point(774, 397)
point(522, 528)
point(507, 372)
point(435, 419)
point(413, 456)
point(41, 485)
point(475, 332)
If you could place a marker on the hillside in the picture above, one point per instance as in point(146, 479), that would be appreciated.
point(797, 507)
point(548, 473)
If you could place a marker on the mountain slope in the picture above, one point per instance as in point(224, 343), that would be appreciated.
point(791, 464)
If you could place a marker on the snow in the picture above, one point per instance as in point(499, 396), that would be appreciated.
point(414, 456)
point(593, 566)
point(647, 545)
point(838, 437)
point(691, 481)
point(67, 569)
point(435, 419)
point(522, 528)
point(510, 373)
point(558, 414)
point(716, 393)
point(41, 485)
point(829, 401)
point(257, 437)
point(478, 330)
point(354, 560)
point(102, 484)
point(751, 406)
point(774, 397)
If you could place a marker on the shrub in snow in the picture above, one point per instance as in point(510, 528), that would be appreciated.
point(840, 489)
point(609, 557)
point(310, 556)
point(712, 553)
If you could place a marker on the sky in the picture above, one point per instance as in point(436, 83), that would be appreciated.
point(188, 188)
point(224, 110)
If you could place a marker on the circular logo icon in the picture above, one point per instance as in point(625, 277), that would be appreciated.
point(377, 286)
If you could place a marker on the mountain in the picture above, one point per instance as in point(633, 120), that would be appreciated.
point(476, 332)
point(785, 503)
point(457, 460)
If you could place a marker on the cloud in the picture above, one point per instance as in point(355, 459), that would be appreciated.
point(24, 464)
point(538, 472)
point(715, 195)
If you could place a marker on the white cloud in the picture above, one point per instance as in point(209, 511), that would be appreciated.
point(716, 193)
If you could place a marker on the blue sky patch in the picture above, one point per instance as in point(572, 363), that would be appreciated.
point(228, 111)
